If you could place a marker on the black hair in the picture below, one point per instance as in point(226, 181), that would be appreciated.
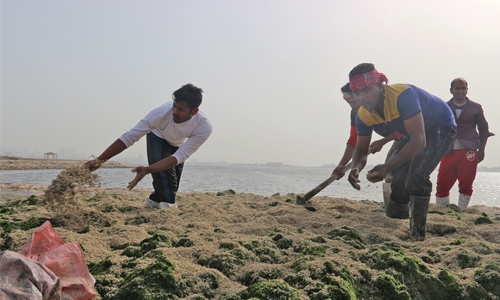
point(457, 79)
point(190, 94)
point(346, 88)
point(361, 69)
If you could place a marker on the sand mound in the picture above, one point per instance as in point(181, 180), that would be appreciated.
point(69, 187)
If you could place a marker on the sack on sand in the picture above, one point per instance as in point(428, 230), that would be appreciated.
point(65, 260)
point(43, 239)
point(68, 263)
point(23, 278)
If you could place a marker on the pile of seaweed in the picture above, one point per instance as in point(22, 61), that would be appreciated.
point(236, 246)
point(69, 186)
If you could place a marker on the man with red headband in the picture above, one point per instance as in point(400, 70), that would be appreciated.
point(429, 130)
point(375, 147)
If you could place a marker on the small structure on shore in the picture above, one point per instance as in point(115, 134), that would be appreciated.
point(50, 155)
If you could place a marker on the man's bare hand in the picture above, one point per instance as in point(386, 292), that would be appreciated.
point(94, 164)
point(376, 146)
point(339, 169)
point(378, 173)
point(353, 179)
point(480, 156)
point(140, 173)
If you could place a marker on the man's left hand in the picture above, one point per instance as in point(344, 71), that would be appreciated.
point(377, 174)
point(376, 146)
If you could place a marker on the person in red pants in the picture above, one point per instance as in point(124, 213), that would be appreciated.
point(460, 163)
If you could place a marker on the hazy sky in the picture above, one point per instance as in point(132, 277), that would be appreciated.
point(75, 75)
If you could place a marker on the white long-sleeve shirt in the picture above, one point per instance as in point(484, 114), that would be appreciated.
point(188, 135)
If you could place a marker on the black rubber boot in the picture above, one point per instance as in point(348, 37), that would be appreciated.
point(418, 217)
point(395, 210)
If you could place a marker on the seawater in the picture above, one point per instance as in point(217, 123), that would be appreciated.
point(263, 180)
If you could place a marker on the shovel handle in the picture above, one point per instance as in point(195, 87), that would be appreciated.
point(325, 183)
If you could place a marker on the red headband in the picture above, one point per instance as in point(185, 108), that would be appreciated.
point(362, 81)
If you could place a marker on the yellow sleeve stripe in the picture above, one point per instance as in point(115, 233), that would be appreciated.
point(391, 112)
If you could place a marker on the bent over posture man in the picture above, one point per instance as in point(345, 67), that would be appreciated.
point(175, 130)
point(428, 127)
point(468, 149)
point(375, 147)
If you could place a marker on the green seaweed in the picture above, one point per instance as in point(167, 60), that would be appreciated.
point(452, 288)
point(132, 251)
point(183, 242)
point(276, 290)
point(467, 260)
point(100, 267)
point(349, 236)
point(224, 262)
point(155, 281)
point(488, 277)
point(314, 251)
point(391, 287)
point(483, 219)
point(298, 281)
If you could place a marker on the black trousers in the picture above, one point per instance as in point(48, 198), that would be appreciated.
point(413, 177)
point(165, 183)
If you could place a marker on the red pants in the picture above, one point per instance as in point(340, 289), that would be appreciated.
point(461, 165)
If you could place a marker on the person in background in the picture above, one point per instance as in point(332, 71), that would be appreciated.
point(353, 136)
point(375, 147)
point(429, 130)
point(174, 131)
point(460, 163)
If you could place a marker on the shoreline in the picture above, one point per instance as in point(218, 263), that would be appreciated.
point(12, 163)
point(20, 190)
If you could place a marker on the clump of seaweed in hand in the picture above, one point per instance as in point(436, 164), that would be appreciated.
point(66, 190)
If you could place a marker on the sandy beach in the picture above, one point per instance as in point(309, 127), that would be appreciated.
point(230, 245)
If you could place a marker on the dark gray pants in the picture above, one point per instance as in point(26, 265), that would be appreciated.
point(413, 177)
point(165, 183)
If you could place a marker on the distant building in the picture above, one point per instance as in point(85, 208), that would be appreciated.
point(274, 164)
point(50, 155)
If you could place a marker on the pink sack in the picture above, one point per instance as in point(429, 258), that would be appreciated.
point(65, 260)
point(68, 263)
point(44, 239)
point(22, 278)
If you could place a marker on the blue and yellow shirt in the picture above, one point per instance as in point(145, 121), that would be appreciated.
point(403, 101)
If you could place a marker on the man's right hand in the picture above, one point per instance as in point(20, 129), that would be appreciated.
point(339, 169)
point(94, 164)
point(353, 179)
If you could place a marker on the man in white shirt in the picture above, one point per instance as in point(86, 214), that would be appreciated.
point(174, 131)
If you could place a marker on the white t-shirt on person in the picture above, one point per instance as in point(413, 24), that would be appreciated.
point(188, 135)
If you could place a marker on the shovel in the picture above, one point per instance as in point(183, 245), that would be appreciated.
point(301, 200)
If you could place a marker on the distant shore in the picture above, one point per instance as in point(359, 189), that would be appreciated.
point(19, 163)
